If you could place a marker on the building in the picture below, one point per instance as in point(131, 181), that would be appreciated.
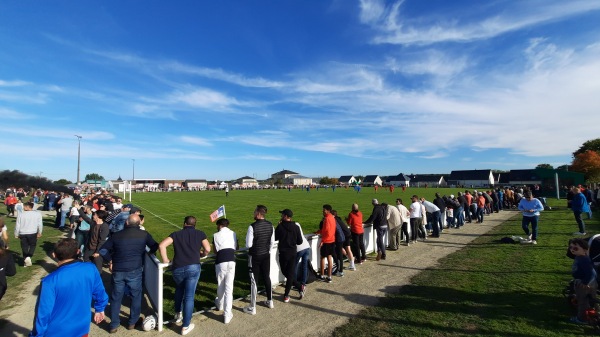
point(347, 181)
point(246, 182)
point(195, 184)
point(472, 178)
point(398, 181)
point(546, 179)
point(429, 180)
point(297, 180)
point(281, 175)
point(372, 180)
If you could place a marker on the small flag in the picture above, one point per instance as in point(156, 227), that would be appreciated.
point(217, 214)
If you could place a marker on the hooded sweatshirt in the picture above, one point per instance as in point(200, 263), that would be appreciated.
point(289, 236)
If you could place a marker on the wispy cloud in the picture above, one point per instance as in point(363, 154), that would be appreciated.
point(394, 28)
point(195, 141)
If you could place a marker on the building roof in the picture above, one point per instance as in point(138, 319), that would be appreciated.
point(523, 175)
point(426, 178)
point(399, 177)
point(470, 175)
point(370, 178)
point(345, 178)
point(285, 172)
point(195, 180)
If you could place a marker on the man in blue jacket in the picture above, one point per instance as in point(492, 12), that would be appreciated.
point(579, 205)
point(58, 311)
point(125, 251)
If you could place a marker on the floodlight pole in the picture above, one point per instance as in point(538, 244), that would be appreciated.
point(78, 156)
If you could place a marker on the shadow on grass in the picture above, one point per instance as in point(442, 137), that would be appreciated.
point(418, 309)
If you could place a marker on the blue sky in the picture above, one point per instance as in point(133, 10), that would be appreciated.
point(225, 89)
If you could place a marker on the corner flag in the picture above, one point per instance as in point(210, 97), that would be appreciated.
point(217, 214)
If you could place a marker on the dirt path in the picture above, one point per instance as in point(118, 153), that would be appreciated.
point(325, 306)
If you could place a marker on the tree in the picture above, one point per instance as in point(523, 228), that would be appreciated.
point(592, 145)
point(565, 167)
point(545, 166)
point(588, 163)
point(93, 176)
point(62, 182)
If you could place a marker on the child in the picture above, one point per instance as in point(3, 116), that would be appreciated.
point(584, 277)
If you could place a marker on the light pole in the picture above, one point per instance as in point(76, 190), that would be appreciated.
point(78, 155)
point(133, 160)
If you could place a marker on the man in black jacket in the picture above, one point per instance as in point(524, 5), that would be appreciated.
point(289, 236)
point(259, 240)
point(379, 220)
point(125, 251)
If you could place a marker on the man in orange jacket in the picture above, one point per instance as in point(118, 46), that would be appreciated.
point(327, 245)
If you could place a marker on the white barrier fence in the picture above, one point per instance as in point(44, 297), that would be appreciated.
point(154, 270)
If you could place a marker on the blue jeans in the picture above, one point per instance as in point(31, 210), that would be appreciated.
point(534, 226)
point(459, 214)
point(579, 220)
point(302, 268)
point(480, 212)
point(381, 231)
point(63, 218)
point(186, 279)
point(435, 219)
point(121, 280)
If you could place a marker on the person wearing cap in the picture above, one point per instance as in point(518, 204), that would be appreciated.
point(225, 243)
point(259, 240)
point(289, 237)
point(380, 223)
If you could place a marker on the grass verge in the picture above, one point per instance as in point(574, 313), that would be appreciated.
point(487, 288)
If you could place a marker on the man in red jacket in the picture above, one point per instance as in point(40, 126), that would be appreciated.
point(327, 245)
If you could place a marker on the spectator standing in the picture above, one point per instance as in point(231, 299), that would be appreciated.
point(63, 304)
point(579, 205)
point(415, 218)
point(65, 202)
point(394, 219)
point(125, 250)
point(10, 201)
point(302, 255)
point(189, 245)
point(28, 229)
point(379, 220)
point(225, 243)
point(432, 209)
point(259, 240)
point(289, 237)
point(405, 218)
point(327, 244)
point(530, 207)
point(7, 267)
point(98, 235)
point(355, 220)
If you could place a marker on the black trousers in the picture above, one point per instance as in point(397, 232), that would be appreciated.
point(28, 243)
point(287, 264)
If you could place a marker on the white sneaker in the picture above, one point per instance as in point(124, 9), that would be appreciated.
point(534, 242)
point(269, 304)
point(186, 330)
point(250, 310)
point(529, 237)
point(178, 317)
point(579, 233)
point(217, 306)
point(227, 319)
point(351, 268)
point(27, 262)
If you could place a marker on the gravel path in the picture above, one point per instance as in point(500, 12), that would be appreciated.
point(324, 307)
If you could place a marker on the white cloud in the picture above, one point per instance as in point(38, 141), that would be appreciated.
point(195, 141)
point(393, 28)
